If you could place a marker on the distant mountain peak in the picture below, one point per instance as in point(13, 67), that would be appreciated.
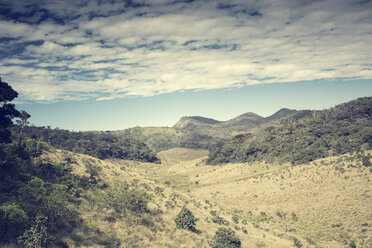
point(250, 114)
point(283, 112)
point(194, 121)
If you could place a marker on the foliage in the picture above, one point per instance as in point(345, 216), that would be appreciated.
point(352, 244)
point(219, 220)
point(186, 219)
point(12, 219)
point(127, 198)
point(37, 235)
point(32, 188)
point(344, 128)
point(366, 160)
point(225, 238)
point(97, 144)
point(29, 187)
point(297, 243)
point(7, 111)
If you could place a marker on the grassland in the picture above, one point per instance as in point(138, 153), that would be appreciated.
point(325, 203)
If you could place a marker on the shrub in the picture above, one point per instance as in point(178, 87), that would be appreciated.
point(297, 243)
point(137, 200)
point(12, 220)
point(352, 244)
point(366, 161)
point(221, 221)
point(225, 238)
point(37, 235)
point(186, 219)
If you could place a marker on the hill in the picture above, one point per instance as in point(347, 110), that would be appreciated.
point(304, 136)
point(324, 203)
point(275, 198)
point(57, 198)
point(190, 122)
point(203, 133)
point(244, 121)
point(98, 144)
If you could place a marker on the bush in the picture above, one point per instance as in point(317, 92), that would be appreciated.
point(186, 219)
point(12, 220)
point(137, 200)
point(366, 161)
point(297, 243)
point(220, 221)
point(352, 244)
point(37, 235)
point(225, 238)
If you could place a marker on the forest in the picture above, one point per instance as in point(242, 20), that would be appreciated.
point(339, 130)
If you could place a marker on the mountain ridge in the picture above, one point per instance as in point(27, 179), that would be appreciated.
point(304, 136)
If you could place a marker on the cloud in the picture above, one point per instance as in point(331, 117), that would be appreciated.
point(64, 50)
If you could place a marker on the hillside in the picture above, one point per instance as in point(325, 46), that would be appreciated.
point(190, 122)
point(65, 199)
point(293, 179)
point(98, 144)
point(204, 133)
point(305, 136)
point(244, 121)
point(325, 203)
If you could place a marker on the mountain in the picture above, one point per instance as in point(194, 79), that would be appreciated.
point(275, 197)
point(304, 136)
point(190, 122)
point(281, 113)
point(243, 122)
point(203, 133)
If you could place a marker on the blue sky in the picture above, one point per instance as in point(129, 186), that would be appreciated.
point(220, 104)
point(103, 65)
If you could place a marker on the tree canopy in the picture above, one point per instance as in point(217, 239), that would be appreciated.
point(7, 110)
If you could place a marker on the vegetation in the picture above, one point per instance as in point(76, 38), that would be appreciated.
point(198, 132)
point(37, 235)
point(186, 220)
point(56, 198)
point(225, 238)
point(7, 111)
point(344, 128)
point(97, 144)
point(40, 198)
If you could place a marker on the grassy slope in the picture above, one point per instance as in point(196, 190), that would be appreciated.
point(104, 227)
point(325, 203)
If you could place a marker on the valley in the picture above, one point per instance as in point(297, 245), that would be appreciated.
point(325, 203)
point(293, 179)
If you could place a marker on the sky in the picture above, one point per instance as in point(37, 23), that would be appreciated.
point(108, 65)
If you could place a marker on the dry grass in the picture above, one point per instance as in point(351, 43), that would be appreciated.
point(326, 203)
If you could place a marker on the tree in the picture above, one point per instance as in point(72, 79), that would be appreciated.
point(22, 122)
point(7, 110)
point(225, 238)
point(37, 235)
point(12, 219)
point(186, 219)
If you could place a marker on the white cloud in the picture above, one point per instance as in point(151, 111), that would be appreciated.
point(113, 50)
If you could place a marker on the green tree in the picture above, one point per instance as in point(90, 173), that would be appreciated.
point(186, 219)
point(225, 238)
point(22, 122)
point(12, 219)
point(37, 236)
point(7, 111)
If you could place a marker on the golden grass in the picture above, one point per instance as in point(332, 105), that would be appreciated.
point(326, 203)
